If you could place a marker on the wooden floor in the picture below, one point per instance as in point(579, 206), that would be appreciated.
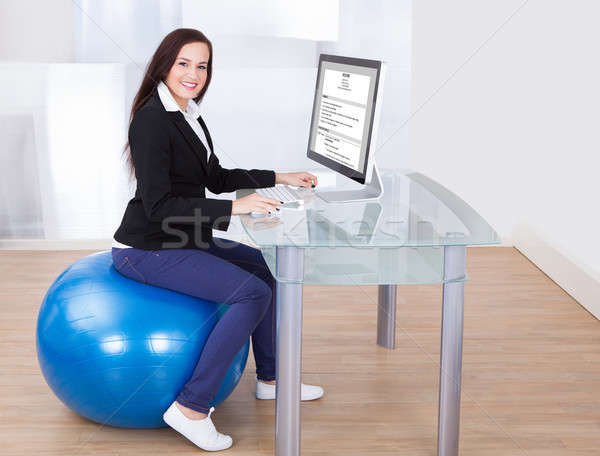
point(531, 372)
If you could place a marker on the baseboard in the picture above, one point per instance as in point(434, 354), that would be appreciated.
point(55, 244)
point(571, 274)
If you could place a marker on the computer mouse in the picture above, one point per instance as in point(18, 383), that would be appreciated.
point(261, 214)
point(271, 215)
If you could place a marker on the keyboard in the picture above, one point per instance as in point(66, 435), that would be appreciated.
point(281, 193)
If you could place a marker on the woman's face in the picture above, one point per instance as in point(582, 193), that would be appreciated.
point(188, 74)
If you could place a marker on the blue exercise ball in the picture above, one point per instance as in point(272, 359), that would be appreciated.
point(118, 351)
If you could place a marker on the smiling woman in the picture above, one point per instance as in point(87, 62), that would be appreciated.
point(189, 74)
point(165, 237)
point(170, 63)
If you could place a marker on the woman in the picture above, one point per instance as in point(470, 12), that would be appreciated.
point(165, 237)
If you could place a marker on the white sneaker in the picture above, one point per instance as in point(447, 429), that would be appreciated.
point(200, 432)
point(307, 392)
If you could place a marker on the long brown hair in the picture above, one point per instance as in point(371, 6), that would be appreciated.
point(158, 69)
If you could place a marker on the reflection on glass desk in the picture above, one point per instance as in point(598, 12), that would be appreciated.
point(397, 239)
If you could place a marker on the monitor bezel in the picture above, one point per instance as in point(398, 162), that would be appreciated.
point(357, 176)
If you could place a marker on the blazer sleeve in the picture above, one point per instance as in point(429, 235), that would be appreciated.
point(229, 180)
point(150, 149)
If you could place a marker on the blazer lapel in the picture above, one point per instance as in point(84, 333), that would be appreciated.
point(191, 138)
point(207, 134)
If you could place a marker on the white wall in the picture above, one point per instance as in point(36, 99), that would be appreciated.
point(309, 19)
point(382, 30)
point(123, 31)
point(511, 124)
point(263, 88)
point(36, 31)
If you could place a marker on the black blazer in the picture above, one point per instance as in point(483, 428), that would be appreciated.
point(170, 208)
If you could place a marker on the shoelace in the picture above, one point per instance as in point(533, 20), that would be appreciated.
point(216, 434)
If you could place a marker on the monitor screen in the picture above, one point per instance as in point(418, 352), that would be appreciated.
point(343, 114)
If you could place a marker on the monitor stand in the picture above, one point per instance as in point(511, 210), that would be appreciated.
point(371, 191)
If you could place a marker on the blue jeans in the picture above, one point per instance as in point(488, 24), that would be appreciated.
point(227, 272)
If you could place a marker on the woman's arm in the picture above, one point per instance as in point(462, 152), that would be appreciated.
point(150, 149)
point(300, 179)
point(229, 180)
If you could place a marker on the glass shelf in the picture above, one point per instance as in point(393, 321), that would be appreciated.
point(367, 265)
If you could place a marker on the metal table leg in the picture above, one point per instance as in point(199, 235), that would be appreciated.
point(451, 350)
point(386, 316)
point(290, 266)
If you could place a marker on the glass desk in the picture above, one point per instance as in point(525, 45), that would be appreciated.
point(416, 233)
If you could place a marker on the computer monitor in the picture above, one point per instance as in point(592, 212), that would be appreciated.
point(344, 122)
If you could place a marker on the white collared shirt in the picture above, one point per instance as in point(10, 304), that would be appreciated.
point(191, 116)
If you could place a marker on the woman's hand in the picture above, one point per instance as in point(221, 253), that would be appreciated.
point(254, 203)
point(301, 179)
